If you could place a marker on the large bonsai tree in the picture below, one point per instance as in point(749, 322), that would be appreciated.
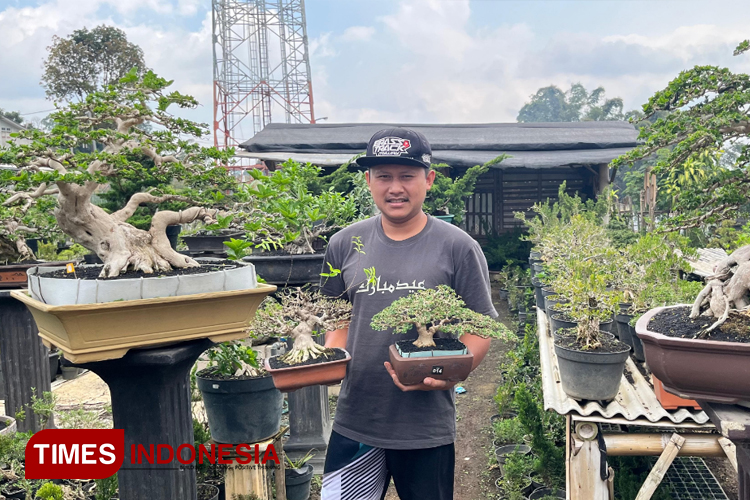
point(433, 310)
point(298, 314)
point(128, 121)
point(707, 111)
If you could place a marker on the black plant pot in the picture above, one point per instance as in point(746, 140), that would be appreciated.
point(241, 411)
point(54, 364)
point(591, 375)
point(627, 335)
point(92, 258)
point(172, 233)
point(298, 482)
point(288, 269)
point(208, 492)
point(538, 297)
point(558, 322)
point(637, 344)
point(547, 492)
point(210, 244)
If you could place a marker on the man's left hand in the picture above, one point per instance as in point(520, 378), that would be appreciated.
point(428, 384)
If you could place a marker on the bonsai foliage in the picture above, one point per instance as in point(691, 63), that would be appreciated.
point(285, 213)
point(118, 119)
point(298, 314)
point(433, 310)
point(448, 196)
point(232, 359)
point(706, 113)
point(50, 491)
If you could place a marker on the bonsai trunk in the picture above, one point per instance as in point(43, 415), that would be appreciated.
point(425, 337)
point(118, 244)
point(305, 347)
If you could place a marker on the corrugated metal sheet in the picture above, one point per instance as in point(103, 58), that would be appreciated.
point(707, 257)
point(636, 402)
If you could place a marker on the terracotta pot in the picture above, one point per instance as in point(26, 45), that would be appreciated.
point(412, 371)
point(670, 401)
point(95, 332)
point(694, 368)
point(296, 377)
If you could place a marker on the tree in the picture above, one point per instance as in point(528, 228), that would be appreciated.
point(87, 61)
point(705, 112)
point(54, 164)
point(550, 104)
point(12, 115)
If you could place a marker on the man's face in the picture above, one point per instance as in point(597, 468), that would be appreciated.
point(399, 190)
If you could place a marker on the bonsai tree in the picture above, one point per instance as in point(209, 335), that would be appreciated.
point(129, 120)
point(298, 314)
point(433, 310)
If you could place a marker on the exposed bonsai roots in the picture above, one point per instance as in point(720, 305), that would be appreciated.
point(301, 354)
point(726, 291)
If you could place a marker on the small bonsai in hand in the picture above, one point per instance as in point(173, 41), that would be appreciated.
point(299, 314)
point(232, 360)
point(433, 310)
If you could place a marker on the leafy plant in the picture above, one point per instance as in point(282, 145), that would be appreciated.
point(80, 418)
point(509, 430)
point(231, 359)
point(106, 489)
point(50, 491)
point(237, 249)
point(301, 461)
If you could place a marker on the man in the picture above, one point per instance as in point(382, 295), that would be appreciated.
point(383, 428)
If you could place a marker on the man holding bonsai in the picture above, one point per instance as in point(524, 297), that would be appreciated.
point(383, 428)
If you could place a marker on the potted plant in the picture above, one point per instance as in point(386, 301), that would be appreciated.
point(298, 314)
point(428, 312)
point(210, 239)
point(53, 165)
point(297, 475)
point(242, 404)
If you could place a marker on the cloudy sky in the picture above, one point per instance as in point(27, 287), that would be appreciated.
point(409, 61)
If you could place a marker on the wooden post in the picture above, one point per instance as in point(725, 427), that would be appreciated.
point(254, 478)
point(585, 465)
point(731, 451)
point(660, 469)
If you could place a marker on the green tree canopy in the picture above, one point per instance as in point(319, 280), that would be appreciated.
point(12, 115)
point(550, 104)
point(708, 113)
point(87, 61)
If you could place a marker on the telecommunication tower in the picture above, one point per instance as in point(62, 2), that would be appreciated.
point(261, 67)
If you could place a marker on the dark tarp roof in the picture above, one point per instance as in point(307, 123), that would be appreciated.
point(530, 145)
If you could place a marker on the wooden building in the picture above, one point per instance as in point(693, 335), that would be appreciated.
point(541, 157)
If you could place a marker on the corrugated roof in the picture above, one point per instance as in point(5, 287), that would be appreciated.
point(531, 145)
point(703, 266)
point(635, 403)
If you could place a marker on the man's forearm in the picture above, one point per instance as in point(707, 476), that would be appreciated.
point(476, 345)
point(337, 338)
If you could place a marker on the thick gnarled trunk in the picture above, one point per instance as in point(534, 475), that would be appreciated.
point(118, 244)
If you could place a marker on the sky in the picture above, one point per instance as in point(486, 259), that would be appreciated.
point(407, 61)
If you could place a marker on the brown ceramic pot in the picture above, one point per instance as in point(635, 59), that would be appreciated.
point(296, 377)
point(412, 371)
point(694, 368)
point(14, 275)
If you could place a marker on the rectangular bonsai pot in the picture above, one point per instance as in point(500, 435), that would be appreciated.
point(670, 401)
point(412, 371)
point(296, 377)
point(95, 332)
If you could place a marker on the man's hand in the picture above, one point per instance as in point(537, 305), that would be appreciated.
point(428, 384)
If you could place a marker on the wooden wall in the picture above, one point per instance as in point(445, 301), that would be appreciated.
point(501, 193)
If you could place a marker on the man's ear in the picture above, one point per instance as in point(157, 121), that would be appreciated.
point(367, 177)
point(430, 179)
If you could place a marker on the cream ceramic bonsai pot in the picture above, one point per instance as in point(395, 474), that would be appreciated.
point(95, 332)
point(57, 292)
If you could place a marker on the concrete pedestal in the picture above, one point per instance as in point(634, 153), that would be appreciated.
point(150, 391)
point(24, 359)
point(309, 425)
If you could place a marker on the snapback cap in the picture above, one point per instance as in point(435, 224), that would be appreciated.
point(396, 146)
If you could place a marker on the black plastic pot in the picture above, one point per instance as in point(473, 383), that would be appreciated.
point(211, 244)
point(298, 482)
point(637, 344)
point(558, 323)
point(608, 326)
point(54, 364)
point(288, 269)
point(241, 411)
point(547, 492)
point(552, 300)
point(546, 291)
point(502, 294)
point(211, 494)
point(538, 292)
point(172, 233)
point(591, 375)
point(92, 258)
point(627, 335)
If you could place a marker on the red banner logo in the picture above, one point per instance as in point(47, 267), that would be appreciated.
point(75, 453)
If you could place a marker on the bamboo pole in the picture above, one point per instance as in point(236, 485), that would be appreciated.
point(660, 468)
point(643, 445)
